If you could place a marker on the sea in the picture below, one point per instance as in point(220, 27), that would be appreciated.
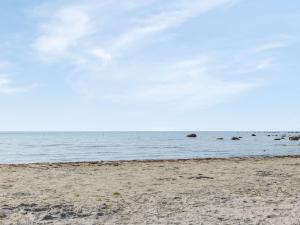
point(37, 147)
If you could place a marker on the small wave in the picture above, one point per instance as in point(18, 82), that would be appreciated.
point(288, 145)
point(44, 146)
point(149, 147)
point(96, 146)
point(54, 145)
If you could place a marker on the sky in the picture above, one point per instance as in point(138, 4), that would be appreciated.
point(154, 65)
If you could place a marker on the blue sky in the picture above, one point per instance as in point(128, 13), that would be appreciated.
point(149, 65)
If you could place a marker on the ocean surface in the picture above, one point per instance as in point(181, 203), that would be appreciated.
point(28, 147)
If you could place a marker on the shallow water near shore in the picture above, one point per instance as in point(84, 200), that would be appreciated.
point(30, 147)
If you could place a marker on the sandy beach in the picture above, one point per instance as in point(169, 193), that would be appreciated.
point(201, 191)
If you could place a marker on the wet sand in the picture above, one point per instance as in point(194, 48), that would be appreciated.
point(211, 191)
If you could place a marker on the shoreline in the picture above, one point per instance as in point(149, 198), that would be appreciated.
point(243, 190)
point(112, 162)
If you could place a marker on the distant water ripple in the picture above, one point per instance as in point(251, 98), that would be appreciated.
point(26, 147)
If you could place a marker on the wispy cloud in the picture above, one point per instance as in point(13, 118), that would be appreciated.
point(270, 46)
point(257, 65)
point(68, 27)
point(200, 92)
point(102, 54)
point(7, 87)
point(63, 30)
point(112, 71)
point(274, 43)
point(192, 83)
point(5, 64)
point(165, 20)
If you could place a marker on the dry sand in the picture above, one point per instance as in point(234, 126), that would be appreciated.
point(217, 191)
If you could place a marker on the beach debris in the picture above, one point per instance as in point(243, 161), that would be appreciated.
point(58, 212)
point(48, 217)
point(235, 138)
point(220, 138)
point(294, 138)
point(116, 194)
point(191, 135)
point(263, 173)
point(253, 135)
point(2, 215)
point(200, 176)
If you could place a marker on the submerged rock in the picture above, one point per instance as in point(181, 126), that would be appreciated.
point(220, 138)
point(253, 135)
point(192, 135)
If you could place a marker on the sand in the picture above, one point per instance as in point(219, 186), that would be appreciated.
point(211, 191)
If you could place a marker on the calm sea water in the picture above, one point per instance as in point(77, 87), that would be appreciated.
point(27, 147)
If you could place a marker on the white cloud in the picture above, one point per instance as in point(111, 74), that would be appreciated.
point(165, 20)
point(275, 43)
point(63, 31)
point(102, 54)
point(257, 65)
point(5, 64)
point(264, 64)
point(109, 69)
point(70, 27)
point(6, 84)
point(7, 87)
point(269, 46)
point(191, 83)
point(193, 93)
point(183, 83)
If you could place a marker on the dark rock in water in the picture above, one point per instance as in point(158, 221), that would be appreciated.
point(294, 138)
point(235, 138)
point(191, 135)
point(253, 135)
point(277, 139)
point(268, 135)
point(220, 138)
point(240, 137)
